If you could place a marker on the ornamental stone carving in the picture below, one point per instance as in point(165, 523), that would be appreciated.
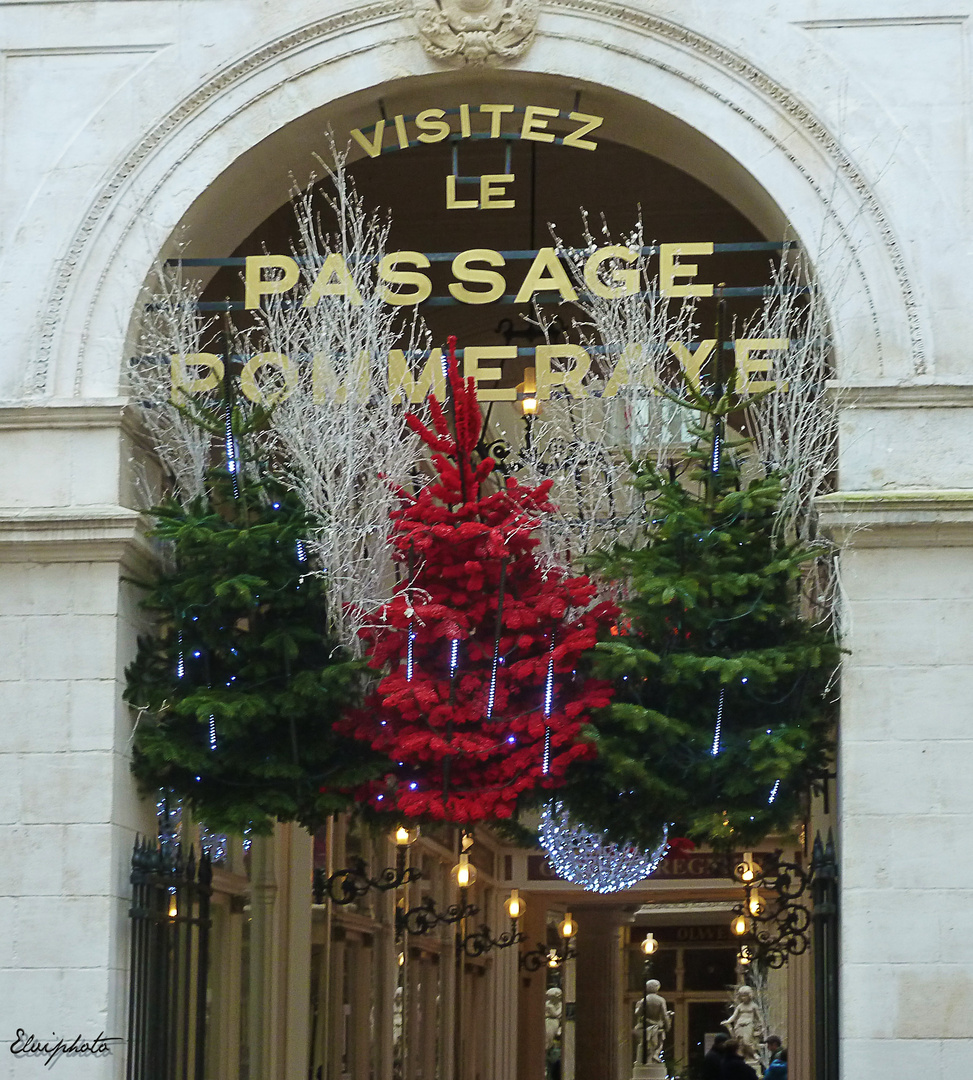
point(476, 31)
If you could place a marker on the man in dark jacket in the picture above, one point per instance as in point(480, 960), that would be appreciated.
point(714, 1058)
point(734, 1067)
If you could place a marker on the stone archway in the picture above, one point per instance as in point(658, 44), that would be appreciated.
point(709, 110)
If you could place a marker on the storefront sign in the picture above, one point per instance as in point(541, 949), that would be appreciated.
point(563, 367)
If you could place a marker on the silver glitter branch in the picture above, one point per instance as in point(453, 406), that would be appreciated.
point(341, 438)
point(170, 327)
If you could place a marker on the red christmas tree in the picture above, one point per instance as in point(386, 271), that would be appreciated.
point(483, 700)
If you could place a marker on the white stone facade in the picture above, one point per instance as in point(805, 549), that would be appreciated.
point(121, 120)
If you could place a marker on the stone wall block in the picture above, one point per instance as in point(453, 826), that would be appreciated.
point(71, 646)
point(910, 633)
point(61, 932)
point(67, 787)
point(36, 716)
point(13, 638)
point(870, 987)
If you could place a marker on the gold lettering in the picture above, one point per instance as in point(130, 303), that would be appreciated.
point(431, 379)
point(462, 271)
point(252, 389)
point(546, 273)
point(333, 279)
point(692, 362)
point(179, 373)
point(464, 121)
point(325, 381)
point(623, 369)
point(588, 123)
point(571, 379)
point(472, 355)
point(452, 203)
point(255, 285)
point(495, 112)
point(388, 273)
point(748, 365)
point(432, 127)
point(373, 148)
point(623, 282)
point(670, 269)
point(491, 188)
point(401, 133)
point(535, 123)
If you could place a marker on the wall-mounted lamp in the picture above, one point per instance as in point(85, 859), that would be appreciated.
point(514, 905)
point(746, 868)
point(464, 872)
point(404, 836)
point(533, 959)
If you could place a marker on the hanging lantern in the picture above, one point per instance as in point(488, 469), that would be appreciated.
point(583, 857)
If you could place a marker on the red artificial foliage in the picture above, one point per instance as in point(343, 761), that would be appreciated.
point(477, 712)
point(680, 847)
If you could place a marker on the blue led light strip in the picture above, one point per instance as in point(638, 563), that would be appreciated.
point(501, 589)
point(548, 702)
point(719, 724)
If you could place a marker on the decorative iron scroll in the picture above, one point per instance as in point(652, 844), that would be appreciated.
point(425, 917)
point(480, 941)
point(776, 908)
point(545, 956)
point(350, 884)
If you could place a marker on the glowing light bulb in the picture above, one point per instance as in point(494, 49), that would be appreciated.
point(739, 925)
point(403, 836)
point(747, 874)
point(755, 903)
point(464, 872)
point(649, 944)
point(568, 927)
point(552, 960)
point(514, 904)
point(173, 906)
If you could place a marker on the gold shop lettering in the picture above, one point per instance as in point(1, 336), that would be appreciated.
point(480, 276)
point(269, 377)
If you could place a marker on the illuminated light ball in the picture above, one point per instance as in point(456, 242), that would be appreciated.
point(584, 857)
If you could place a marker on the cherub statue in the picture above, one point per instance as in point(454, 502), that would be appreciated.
point(552, 1016)
point(745, 1024)
point(658, 1020)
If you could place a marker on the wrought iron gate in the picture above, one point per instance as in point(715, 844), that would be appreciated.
point(170, 915)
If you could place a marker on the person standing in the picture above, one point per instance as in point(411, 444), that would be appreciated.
point(734, 1067)
point(777, 1069)
point(714, 1058)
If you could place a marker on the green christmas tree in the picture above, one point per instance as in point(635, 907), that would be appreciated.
point(237, 690)
point(720, 721)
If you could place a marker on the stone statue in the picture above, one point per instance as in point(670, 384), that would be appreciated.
point(476, 31)
point(552, 1016)
point(745, 1024)
point(650, 1008)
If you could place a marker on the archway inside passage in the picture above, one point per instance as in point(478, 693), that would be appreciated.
point(644, 167)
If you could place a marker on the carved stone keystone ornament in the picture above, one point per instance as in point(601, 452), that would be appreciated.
point(476, 31)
